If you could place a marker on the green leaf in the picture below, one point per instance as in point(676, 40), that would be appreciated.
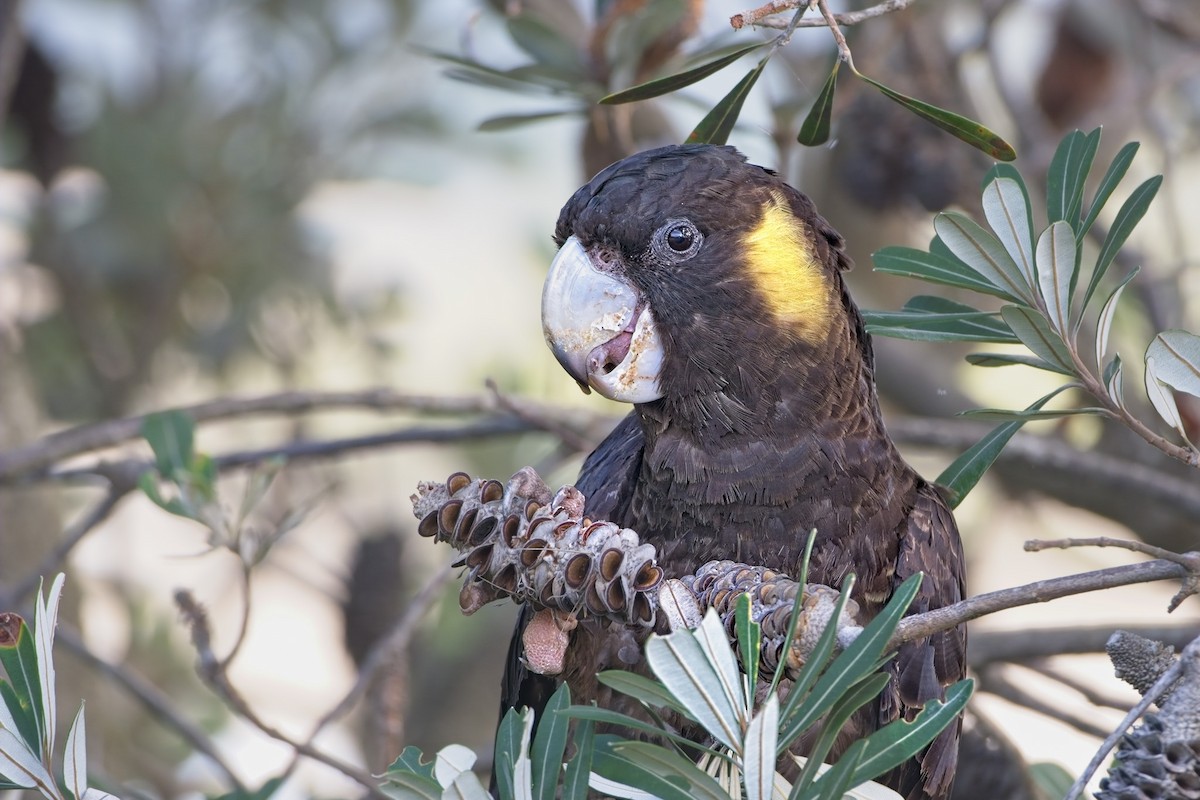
point(1050, 779)
point(671, 83)
point(1056, 273)
point(171, 435)
point(964, 324)
point(1034, 332)
point(507, 751)
point(718, 123)
point(798, 711)
point(408, 786)
point(835, 782)
point(549, 744)
point(824, 643)
point(853, 699)
point(641, 688)
point(749, 638)
point(618, 775)
point(1162, 399)
point(1116, 171)
point(522, 771)
point(758, 760)
point(22, 692)
point(1004, 415)
point(1107, 313)
point(894, 744)
point(1177, 360)
point(815, 129)
point(75, 756)
point(148, 483)
point(1067, 175)
point(853, 664)
point(967, 130)
point(409, 762)
point(964, 472)
point(698, 681)
point(980, 251)
point(1131, 213)
point(668, 764)
point(45, 620)
point(945, 269)
point(575, 782)
point(506, 122)
point(546, 45)
point(1009, 359)
point(609, 717)
point(1112, 381)
point(1006, 207)
point(20, 764)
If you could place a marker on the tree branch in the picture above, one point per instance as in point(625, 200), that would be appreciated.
point(993, 680)
point(988, 646)
point(918, 626)
point(760, 16)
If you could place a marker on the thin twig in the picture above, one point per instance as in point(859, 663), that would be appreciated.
point(51, 449)
point(849, 18)
point(1192, 651)
point(210, 669)
point(994, 681)
point(53, 561)
point(1189, 561)
point(918, 626)
point(1022, 645)
point(536, 415)
point(838, 36)
point(244, 624)
point(159, 706)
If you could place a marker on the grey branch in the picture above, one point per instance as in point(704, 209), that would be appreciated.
point(761, 16)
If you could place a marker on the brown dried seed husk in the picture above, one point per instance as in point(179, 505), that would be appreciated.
point(457, 482)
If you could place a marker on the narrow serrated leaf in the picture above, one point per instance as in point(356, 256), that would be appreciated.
point(669, 764)
point(549, 744)
point(893, 744)
point(1005, 415)
point(506, 753)
point(964, 326)
point(749, 639)
point(1034, 332)
point(798, 709)
point(1116, 171)
point(45, 620)
point(964, 472)
point(410, 786)
point(679, 661)
point(968, 130)
point(671, 83)
point(758, 762)
point(1007, 211)
point(815, 128)
point(506, 122)
point(1067, 175)
point(1107, 313)
point(21, 693)
point(1009, 359)
point(1176, 355)
point(75, 756)
point(718, 123)
point(1055, 273)
point(980, 251)
point(1113, 381)
point(410, 762)
point(853, 664)
point(641, 688)
point(522, 773)
point(20, 765)
point(715, 643)
point(609, 717)
point(1162, 399)
point(1128, 217)
point(941, 268)
point(575, 781)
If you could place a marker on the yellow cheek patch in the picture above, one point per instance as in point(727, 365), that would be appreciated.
point(782, 264)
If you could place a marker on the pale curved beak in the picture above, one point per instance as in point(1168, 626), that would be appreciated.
point(600, 328)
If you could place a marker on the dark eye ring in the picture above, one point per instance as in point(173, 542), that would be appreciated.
point(680, 238)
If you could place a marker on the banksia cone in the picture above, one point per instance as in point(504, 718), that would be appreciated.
point(518, 541)
point(718, 584)
point(1160, 758)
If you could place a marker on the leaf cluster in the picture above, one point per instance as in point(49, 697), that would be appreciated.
point(1037, 273)
point(29, 709)
point(699, 682)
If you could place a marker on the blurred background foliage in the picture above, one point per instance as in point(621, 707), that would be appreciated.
point(202, 199)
